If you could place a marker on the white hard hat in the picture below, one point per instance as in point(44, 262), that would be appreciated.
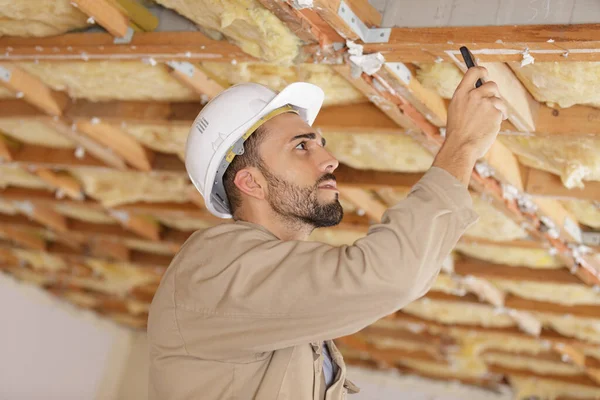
point(219, 131)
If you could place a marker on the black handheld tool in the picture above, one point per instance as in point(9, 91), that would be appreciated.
point(470, 61)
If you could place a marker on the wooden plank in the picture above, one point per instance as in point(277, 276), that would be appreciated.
point(101, 152)
point(118, 141)
point(160, 46)
point(426, 101)
point(195, 79)
point(379, 98)
point(142, 225)
point(32, 90)
point(138, 14)
point(301, 26)
point(105, 14)
point(328, 10)
point(42, 214)
point(5, 154)
point(62, 182)
point(24, 238)
point(110, 248)
point(372, 180)
point(481, 269)
point(542, 183)
point(492, 43)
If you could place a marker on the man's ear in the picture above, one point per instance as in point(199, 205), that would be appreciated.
point(250, 181)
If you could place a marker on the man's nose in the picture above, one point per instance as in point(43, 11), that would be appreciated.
point(328, 163)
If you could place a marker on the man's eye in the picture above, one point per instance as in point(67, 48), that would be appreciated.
point(303, 146)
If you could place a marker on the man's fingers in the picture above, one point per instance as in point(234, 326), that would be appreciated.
point(470, 78)
point(500, 105)
point(488, 89)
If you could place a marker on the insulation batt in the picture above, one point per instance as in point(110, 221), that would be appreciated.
point(574, 160)
point(513, 256)
point(561, 83)
point(168, 138)
point(12, 175)
point(111, 80)
point(113, 188)
point(34, 132)
point(337, 89)
point(246, 23)
point(84, 214)
point(585, 211)
point(548, 389)
point(39, 17)
point(381, 152)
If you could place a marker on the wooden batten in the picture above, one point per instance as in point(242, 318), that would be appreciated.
point(194, 78)
point(105, 13)
point(32, 90)
point(118, 141)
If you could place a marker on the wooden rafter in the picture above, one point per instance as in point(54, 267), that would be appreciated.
point(118, 141)
point(23, 238)
point(105, 14)
point(32, 90)
point(63, 183)
point(194, 78)
point(160, 46)
point(542, 183)
point(492, 43)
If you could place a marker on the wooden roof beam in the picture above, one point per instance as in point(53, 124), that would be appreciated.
point(491, 43)
point(105, 14)
point(194, 78)
point(33, 91)
point(63, 183)
point(118, 142)
point(542, 183)
point(23, 238)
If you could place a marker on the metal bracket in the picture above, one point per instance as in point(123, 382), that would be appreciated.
point(366, 34)
point(4, 74)
point(125, 39)
point(401, 71)
point(590, 238)
point(182, 66)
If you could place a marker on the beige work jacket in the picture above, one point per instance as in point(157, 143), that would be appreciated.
point(240, 314)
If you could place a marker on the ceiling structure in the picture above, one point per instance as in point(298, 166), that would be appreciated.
point(96, 98)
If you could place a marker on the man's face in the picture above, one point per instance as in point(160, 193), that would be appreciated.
point(299, 172)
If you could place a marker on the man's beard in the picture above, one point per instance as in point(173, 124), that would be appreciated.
point(301, 204)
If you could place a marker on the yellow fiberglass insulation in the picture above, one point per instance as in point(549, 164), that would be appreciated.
point(6, 94)
point(449, 312)
point(7, 208)
point(117, 278)
point(113, 188)
point(169, 138)
point(492, 224)
point(381, 152)
point(34, 132)
point(574, 160)
point(246, 23)
point(562, 83)
point(12, 175)
point(40, 261)
point(542, 367)
point(39, 17)
point(567, 294)
point(337, 89)
point(550, 389)
point(85, 214)
point(586, 212)
point(441, 77)
point(512, 256)
point(111, 80)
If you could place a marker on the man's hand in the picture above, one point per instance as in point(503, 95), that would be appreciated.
point(474, 118)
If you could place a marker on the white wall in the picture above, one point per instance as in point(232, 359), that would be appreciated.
point(50, 350)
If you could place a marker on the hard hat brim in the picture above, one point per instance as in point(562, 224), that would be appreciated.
point(306, 98)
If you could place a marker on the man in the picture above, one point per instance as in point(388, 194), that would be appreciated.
point(248, 310)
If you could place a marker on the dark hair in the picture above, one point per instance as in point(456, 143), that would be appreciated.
point(250, 158)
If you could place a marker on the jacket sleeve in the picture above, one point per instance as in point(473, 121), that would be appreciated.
point(274, 294)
